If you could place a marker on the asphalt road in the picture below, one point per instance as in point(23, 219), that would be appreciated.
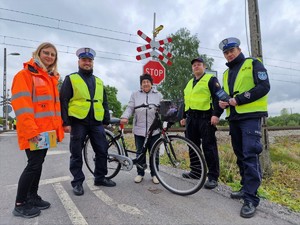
point(127, 203)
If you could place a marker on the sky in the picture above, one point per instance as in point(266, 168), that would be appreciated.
point(110, 28)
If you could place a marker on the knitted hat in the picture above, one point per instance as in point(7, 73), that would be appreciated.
point(146, 76)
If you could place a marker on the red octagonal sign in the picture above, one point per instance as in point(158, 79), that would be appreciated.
point(156, 70)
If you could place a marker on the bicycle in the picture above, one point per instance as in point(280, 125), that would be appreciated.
point(170, 153)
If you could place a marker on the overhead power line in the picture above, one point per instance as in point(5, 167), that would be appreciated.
point(102, 57)
point(66, 21)
point(114, 31)
point(72, 31)
point(66, 46)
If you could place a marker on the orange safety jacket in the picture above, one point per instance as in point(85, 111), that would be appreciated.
point(35, 100)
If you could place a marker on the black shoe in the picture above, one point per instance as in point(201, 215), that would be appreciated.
point(237, 194)
point(26, 210)
point(78, 189)
point(190, 175)
point(38, 202)
point(105, 182)
point(210, 184)
point(248, 210)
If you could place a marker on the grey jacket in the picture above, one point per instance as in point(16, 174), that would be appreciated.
point(143, 117)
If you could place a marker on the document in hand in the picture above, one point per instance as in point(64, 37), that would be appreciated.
point(46, 140)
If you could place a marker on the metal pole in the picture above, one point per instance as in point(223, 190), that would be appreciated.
point(4, 93)
point(154, 20)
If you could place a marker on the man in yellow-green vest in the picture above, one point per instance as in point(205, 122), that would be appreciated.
point(246, 85)
point(15, 124)
point(201, 115)
point(84, 110)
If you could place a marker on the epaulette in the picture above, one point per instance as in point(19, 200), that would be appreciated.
point(254, 58)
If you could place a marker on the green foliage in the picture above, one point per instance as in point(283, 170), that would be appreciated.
point(60, 82)
point(184, 47)
point(283, 186)
point(284, 112)
point(284, 119)
point(113, 102)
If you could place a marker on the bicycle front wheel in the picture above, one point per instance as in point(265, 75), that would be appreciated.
point(171, 158)
point(113, 166)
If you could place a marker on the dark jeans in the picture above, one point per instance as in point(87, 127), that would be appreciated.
point(200, 131)
point(245, 139)
point(139, 141)
point(99, 144)
point(30, 178)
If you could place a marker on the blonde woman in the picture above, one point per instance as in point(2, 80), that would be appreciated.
point(35, 100)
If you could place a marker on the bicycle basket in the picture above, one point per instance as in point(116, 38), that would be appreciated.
point(170, 111)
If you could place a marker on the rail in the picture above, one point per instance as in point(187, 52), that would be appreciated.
point(182, 129)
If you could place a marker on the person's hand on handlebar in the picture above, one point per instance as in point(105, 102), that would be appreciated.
point(123, 121)
point(183, 122)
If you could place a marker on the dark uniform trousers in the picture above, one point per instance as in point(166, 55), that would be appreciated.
point(99, 144)
point(245, 138)
point(200, 131)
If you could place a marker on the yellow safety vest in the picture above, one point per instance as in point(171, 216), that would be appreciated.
point(80, 103)
point(199, 96)
point(244, 82)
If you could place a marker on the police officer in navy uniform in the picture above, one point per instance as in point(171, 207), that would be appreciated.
point(246, 82)
point(201, 115)
point(84, 111)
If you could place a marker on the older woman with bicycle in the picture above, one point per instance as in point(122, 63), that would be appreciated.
point(143, 118)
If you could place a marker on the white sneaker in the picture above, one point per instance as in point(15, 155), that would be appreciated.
point(138, 179)
point(155, 180)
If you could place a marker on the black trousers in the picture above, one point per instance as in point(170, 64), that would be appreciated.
point(30, 178)
point(201, 132)
point(100, 147)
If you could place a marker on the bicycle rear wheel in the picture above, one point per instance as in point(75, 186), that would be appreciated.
point(172, 158)
point(113, 166)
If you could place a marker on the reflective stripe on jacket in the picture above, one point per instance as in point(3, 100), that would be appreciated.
point(80, 103)
point(199, 96)
point(243, 83)
point(35, 100)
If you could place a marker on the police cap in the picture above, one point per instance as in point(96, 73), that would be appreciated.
point(199, 59)
point(86, 53)
point(229, 43)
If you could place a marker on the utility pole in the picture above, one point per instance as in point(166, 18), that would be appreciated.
point(5, 94)
point(256, 51)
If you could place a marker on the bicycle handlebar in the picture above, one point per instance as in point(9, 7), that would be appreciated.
point(146, 105)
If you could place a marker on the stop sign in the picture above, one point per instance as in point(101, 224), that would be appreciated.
point(156, 70)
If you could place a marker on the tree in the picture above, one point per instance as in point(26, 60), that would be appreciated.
point(60, 82)
point(184, 47)
point(113, 103)
point(284, 112)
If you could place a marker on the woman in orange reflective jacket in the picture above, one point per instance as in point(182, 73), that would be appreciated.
point(35, 100)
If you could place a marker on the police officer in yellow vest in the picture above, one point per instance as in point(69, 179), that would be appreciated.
point(247, 84)
point(201, 116)
point(84, 109)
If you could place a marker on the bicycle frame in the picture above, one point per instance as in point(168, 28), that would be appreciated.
point(170, 155)
point(127, 162)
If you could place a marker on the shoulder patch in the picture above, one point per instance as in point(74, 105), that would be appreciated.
point(262, 75)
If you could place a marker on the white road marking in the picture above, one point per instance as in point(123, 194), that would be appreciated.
point(8, 134)
point(74, 214)
point(46, 181)
point(56, 152)
point(109, 201)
